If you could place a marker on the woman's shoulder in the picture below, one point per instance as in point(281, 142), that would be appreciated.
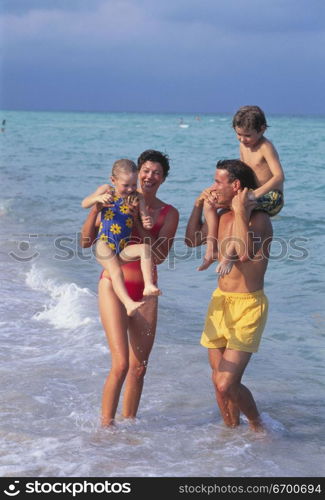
point(167, 206)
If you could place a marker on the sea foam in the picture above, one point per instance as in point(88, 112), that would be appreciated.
point(66, 303)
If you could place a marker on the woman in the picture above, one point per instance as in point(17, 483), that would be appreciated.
point(130, 339)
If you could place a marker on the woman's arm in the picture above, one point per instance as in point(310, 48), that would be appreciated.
point(161, 245)
point(89, 229)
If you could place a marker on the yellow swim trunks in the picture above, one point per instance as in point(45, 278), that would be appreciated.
point(235, 320)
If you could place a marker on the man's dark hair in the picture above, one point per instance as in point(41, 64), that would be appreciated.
point(157, 157)
point(237, 169)
point(249, 117)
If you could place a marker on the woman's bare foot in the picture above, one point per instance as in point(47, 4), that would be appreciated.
point(151, 290)
point(132, 307)
point(107, 422)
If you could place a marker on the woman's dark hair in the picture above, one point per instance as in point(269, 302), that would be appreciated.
point(157, 157)
point(237, 169)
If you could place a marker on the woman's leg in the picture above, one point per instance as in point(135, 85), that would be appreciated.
point(109, 260)
point(114, 321)
point(142, 330)
point(142, 251)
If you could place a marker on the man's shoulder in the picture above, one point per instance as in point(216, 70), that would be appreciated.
point(261, 221)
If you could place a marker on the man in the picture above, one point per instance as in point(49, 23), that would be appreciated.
point(238, 309)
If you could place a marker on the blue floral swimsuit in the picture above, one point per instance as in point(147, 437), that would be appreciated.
point(116, 225)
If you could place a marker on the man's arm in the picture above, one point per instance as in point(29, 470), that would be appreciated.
point(250, 228)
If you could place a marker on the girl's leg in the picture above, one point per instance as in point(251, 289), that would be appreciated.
point(142, 330)
point(114, 321)
point(212, 221)
point(142, 251)
point(107, 258)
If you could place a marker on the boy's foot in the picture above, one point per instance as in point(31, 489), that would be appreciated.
point(132, 307)
point(207, 261)
point(151, 290)
point(224, 267)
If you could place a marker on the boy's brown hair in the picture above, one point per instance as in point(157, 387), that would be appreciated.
point(249, 117)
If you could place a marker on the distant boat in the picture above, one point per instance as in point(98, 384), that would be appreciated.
point(182, 124)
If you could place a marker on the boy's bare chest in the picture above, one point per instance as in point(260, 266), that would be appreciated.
point(257, 162)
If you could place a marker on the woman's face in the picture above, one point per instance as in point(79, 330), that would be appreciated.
point(151, 175)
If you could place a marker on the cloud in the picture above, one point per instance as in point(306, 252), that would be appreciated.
point(172, 50)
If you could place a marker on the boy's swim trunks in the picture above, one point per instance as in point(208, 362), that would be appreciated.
point(235, 320)
point(271, 202)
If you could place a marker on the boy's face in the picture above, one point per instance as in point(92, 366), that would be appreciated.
point(249, 137)
point(125, 184)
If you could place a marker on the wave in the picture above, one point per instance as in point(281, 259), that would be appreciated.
point(5, 206)
point(66, 304)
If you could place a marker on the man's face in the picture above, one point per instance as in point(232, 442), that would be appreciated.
point(224, 189)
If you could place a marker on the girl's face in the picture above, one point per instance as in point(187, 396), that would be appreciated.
point(151, 176)
point(125, 184)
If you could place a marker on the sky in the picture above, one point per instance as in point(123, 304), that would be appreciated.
point(195, 56)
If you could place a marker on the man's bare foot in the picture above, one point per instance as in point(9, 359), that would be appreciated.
point(151, 290)
point(132, 307)
point(207, 261)
point(257, 425)
point(224, 267)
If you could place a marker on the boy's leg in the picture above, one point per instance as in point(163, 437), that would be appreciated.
point(109, 260)
point(142, 251)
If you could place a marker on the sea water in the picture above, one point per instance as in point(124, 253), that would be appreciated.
point(54, 356)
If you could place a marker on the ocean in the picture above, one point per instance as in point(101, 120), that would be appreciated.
point(54, 355)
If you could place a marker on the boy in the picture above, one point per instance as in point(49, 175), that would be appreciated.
point(115, 229)
point(257, 152)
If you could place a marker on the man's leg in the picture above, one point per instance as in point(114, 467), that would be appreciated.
point(229, 410)
point(230, 389)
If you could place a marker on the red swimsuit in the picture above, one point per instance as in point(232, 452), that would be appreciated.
point(132, 270)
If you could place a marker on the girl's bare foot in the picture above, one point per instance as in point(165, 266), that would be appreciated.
point(207, 261)
point(132, 307)
point(151, 290)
